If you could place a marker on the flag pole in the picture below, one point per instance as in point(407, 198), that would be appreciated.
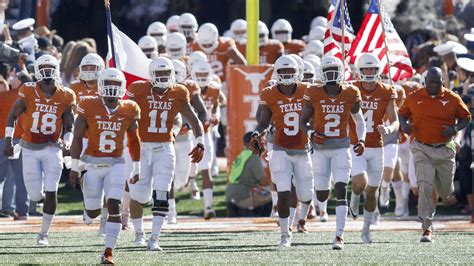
point(343, 50)
point(385, 42)
point(110, 32)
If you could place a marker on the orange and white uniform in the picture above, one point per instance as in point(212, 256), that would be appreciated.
point(41, 149)
point(331, 118)
point(210, 96)
point(219, 58)
point(268, 52)
point(289, 156)
point(158, 156)
point(373, 105)
point(294, 47)
point(103, 156)
point(185, 143)
point(81, 89)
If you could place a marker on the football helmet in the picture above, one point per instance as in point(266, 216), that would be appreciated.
point(111, 90)
point(175, 45)
point(282, 30)
point(300, 63)
point(262, 33)
point(188, 25)
point(316, 62)
point(317, 33)
point(314, 47)
point(164, 65)
point(309, 72)
point(172, 24)
point(149, 46)
point(368, 60)
point(195, 57)
point(158, 31)
point(319, 21)
point(201, 73)
point(179, 70)
point(331, 75)
point(207, 38)
point(238, 29)
point(46, 67)
point(286, 62)
point(91, 59)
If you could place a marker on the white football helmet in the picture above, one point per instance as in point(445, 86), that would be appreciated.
point(91, 59)
point(331, 62)
point(158, 31)
point(46, 67)
point(207, 37)
point(317, 33)
point(179, 70)
point(111, 90)
point(161, 64)
point(172, 24)
point(300, 63)
point(368, 60)
point(188, 25)
point(149, 46)
point(195, 57)
point(286, 62)
point(319, 21)
point(238, 29)
point(314, 47)
point(204, 70)
point(309, 72)
point(175, 45)
point(262, 33)
point(316, 62)
point(282, 30)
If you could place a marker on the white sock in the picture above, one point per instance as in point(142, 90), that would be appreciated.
point(156, 226)
point(274, 197)
point(193, 184)
point(292, 215)
point(104, 214)
point(341, 216)
point(172, 205)
point(367, 219)
point(207, 193)
point(138, 225)
point(398, 190)
point(46, 225)
point(354, 198)
point(304, 211)
point(406, 190)
point(323, 206)
point(126, 204)
point(285, 225)
point(385, 184)
point(112, 231)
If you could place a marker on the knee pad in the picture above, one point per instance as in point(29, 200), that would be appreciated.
point(113, 206)
point(340, 190)
point(322, 195)
point(160, 203)
point(304, 190)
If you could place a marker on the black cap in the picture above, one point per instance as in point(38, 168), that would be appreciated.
point(43, 42)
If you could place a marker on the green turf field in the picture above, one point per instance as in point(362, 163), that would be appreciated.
point(240, 248)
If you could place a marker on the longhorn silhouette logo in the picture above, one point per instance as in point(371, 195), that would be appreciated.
point(254, 78)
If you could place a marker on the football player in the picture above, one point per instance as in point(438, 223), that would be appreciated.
point(283, 104)
point(106, 119)
point(238, 30)
point(159, 32)
point(314, 47)
point(48, 110)
point(90, 67)
point(219, 50)
point(149, 46)
point(175, 46)
point(188, 26)
point(161, 99)
point(330, 107)
point(270, 49)
point(378, 101)
point(282, 31)
point(172, 24)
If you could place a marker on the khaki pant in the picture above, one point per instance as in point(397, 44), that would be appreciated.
point(434, 168)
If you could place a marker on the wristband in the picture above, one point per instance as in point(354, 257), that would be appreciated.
point(135, 169)
point(255, 133)
point(9, 131)
point(310, 132)
point(68, 137)
point(200, 139)
point(75, 165)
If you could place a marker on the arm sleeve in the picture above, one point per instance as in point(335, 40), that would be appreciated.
point(361, 129)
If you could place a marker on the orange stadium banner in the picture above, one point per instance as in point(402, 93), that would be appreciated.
point(244, 84)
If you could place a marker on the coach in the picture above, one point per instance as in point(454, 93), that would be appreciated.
point(435, 114)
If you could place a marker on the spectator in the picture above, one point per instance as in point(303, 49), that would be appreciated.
point(44, 46)
point(65, 54)
point(246, 195)
point(71, 69)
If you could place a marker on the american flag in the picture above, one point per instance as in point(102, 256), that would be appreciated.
point(370, 39)
point(333, 36)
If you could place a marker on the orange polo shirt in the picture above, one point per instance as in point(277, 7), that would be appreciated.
point(430, 115)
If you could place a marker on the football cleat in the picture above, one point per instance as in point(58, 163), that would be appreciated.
point(384, 199)
point(153, 244)
point(311, 212)
point(42, 240)
point(140, 239)
point(301, 227)
point(338, 243)
point(427, 237)
point(101, 232)
point(324, 218)
point(376, 218)
point(366, 236)
point(172, 217)
point(107, 257)
point(86, 219)
point(195, 195)
point(285, 241)
point(209, 213)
